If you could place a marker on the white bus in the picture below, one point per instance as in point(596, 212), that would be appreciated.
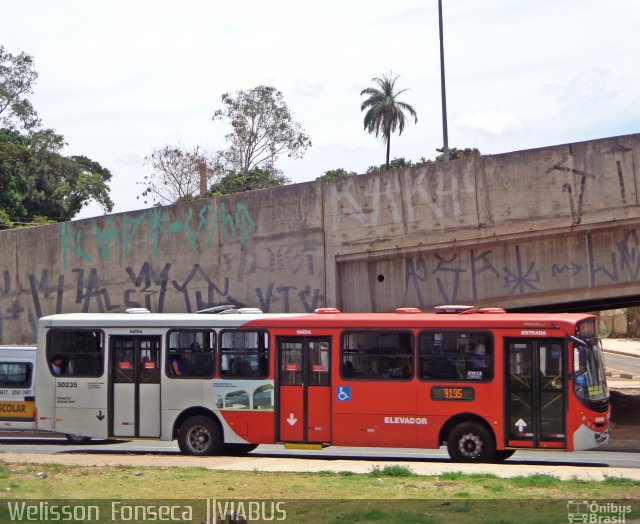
point(144, 375)
point(17, 390)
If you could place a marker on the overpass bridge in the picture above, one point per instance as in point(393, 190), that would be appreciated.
point(554, 228)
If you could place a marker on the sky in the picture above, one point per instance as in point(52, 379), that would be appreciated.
point(119, 79)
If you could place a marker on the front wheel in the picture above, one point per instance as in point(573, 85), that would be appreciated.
point(471, 442)
point(199, 436)
point(78, 439)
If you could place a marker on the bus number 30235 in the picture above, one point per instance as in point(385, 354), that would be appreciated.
point(67, 384)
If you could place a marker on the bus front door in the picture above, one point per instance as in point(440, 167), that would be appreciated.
point(303, 408)
point(135, 386)
point(535, 392)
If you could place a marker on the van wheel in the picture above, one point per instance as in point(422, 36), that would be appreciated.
point(503, 454)
point(199, 436)
point(471, 442)
point(78, 439)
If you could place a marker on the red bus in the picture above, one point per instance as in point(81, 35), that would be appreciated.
point(484, 382)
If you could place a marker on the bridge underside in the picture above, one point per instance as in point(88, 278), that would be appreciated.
point(578, 268)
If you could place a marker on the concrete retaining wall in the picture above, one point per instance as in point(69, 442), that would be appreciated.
point(534, 227)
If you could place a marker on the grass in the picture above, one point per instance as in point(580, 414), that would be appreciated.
point(393, 493)
point(392, 471)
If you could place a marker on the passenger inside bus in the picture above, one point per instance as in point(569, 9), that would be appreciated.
point(178, 365)
point(479, 353)
point(56, 364)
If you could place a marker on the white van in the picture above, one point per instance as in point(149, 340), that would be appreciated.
point(17, 390)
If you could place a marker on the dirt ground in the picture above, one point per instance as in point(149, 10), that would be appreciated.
point(625, 414)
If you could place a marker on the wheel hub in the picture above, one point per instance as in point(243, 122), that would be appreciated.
point(470, 445)
point(199, 438)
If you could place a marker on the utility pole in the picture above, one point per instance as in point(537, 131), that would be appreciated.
point(445, 134)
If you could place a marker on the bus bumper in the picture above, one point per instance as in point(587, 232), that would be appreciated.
point(585, 438)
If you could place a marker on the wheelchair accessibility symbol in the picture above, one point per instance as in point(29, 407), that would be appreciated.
point(343, 393)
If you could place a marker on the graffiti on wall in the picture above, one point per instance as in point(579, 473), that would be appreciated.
point(359, 201)
point(281, 276)
point(208, 225)
point(476, 274)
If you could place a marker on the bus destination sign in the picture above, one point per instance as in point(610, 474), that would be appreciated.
point(448, 393)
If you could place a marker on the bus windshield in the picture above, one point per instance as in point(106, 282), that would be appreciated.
point(589, 382)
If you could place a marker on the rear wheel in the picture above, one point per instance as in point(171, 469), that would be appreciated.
point(199, 436)
point(78, 439)
point(503, 454)
point(471, 442)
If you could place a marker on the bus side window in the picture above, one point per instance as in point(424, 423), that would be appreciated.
point(81, 351)
point(191, 353)
point(244, 354)
point(377, 355)
point(456, 356)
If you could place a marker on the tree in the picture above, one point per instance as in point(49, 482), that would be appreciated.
point(256, 179)
point(336, 173)
point(37, 182)
point(263, 130)
point(456, 154)
point(178, 175)
point(385, 113)
point(17, 77)
point(396, 163)
point(401, 162)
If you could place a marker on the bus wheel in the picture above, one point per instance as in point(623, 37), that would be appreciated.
point(239, 449)
point(471, 442)
point(78, 439)
point(199, 436)
point(503, 455)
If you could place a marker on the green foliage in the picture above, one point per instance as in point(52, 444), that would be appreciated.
point(535, 481)
point(621, 482)
point(263, 130)
point(37, 181)
point(336, 173)
point(472, 477)
point(394, 470)
point(385, 114)
point(5, 220)
point(256, 178)
point(17, 77)
point(456, 154)
point(396, 163)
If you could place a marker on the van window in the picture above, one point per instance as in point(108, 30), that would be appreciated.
point(15, 375)
point(77, 353)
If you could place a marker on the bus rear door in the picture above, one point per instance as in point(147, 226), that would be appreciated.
point(535, 392)
point(135, 386)
point(303, 406)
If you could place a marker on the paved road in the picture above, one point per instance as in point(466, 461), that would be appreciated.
point(622, 363)
point(169, 450)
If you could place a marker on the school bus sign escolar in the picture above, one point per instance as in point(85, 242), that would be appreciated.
point(16, 409)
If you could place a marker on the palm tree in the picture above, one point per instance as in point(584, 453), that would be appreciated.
point(385, 113)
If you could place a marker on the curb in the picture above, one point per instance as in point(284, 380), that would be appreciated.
point(621, 353)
